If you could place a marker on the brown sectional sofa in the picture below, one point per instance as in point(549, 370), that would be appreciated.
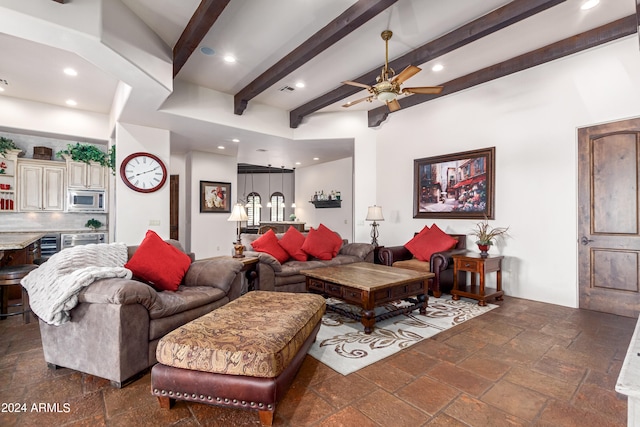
point(115, 328)
point(286, 277)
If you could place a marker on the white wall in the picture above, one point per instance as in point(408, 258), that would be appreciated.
point(338, 176)
point(209, 234)
point(351, 124)
point(135, 213)
point(531, 118)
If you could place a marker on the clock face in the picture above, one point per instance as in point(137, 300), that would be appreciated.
point(143, 172)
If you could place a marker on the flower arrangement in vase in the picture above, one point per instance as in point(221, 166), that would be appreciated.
point(486, 235)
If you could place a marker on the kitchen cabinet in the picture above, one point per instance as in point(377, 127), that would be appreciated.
point(86, 175)
point(8, 181)
point(41, 185)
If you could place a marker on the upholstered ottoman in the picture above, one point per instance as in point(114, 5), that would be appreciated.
point(242, 355)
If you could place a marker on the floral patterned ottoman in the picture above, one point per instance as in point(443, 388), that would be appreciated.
point(242, 355)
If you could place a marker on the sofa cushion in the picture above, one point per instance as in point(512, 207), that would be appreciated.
point(268, 243)
point(322, 243)
point(233, 339)
point(185, 298)
point(361, 250)
point(159, 263)
point(292, 242)
point(430, 241)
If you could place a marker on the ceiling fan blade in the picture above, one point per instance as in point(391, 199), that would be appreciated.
point(407, 73)
point(357, 101)
point(393, 105)
point(357, 84)
point(427, 90)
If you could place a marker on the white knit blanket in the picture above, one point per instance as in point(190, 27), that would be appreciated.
point(54, 286)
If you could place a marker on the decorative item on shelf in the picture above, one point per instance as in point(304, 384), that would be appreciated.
point(93, 224)
point(3, 168)
point(90, 153)
point(292, 217)
point(238, 214)
point(374, 213)
point(486, 235)
point(7, 145)
point(42, 153)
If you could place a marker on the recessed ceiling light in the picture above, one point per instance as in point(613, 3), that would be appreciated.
point(437, 67)
point(205, 50)
point(230, 59)
point(235, 140)
point(300, 85)
point(298, 163)
point(316, 158)
point(589, 4)
point(221, 147)
point(71, 102)
point(70, 72)
point(1, 89)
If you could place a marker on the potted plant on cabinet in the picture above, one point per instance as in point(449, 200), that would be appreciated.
point(7, 145)
point(89, 153)
point(486, 235)
point(93, 224)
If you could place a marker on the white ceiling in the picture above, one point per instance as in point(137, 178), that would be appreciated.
point(259, 33)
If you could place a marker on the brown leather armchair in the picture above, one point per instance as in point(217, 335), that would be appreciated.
point(441, 263)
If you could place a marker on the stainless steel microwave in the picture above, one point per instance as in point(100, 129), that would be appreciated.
point(86, 201)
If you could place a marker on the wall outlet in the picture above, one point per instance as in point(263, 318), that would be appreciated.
point(154, 222)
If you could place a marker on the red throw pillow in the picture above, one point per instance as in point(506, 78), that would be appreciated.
point(292, 242)
point(268, 243)
point(159, 263)
point(322, 243)
point(430, 241)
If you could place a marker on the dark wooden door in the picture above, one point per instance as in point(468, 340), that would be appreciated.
point(174, 203)
point(609, 217)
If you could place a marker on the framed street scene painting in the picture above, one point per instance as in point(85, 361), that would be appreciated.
point(458, 185)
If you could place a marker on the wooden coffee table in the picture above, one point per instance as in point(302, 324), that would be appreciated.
point(368, 285)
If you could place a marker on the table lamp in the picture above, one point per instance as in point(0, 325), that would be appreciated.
point(374, 213)
point(238, 214)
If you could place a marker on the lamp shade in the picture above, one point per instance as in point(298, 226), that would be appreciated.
point(374, 213)
point(238, 213)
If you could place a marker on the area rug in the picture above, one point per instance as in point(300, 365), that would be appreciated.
point(342, 344)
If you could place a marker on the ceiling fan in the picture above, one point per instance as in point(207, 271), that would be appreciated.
point(387, 87)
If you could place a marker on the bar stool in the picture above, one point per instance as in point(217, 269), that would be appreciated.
point(10, 276)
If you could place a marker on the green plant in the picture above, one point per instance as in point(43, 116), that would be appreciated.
point(6, 144)
point(90, 153)
point(93, 223)
point(485, 234)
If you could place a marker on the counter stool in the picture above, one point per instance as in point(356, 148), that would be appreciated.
point(10, 276)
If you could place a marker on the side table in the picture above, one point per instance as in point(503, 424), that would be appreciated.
point(477, 265)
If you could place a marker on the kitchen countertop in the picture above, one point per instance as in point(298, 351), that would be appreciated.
point(12, 241)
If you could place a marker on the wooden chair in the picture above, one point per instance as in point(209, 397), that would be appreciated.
point(265, 228)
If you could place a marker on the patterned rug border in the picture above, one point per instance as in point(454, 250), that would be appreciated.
point(342, 344)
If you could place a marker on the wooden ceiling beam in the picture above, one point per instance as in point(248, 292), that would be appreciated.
point(352, 18)
point(587, 40)
point(498, 19)
point(199, 25)
point(60, 1)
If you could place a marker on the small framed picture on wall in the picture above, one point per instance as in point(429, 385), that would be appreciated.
point(215, 196)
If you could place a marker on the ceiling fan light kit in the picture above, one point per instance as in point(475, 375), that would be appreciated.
point(388, 85)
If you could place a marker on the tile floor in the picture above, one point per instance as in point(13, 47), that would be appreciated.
point(522, 364)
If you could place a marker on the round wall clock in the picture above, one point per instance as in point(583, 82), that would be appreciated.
point(143, 172)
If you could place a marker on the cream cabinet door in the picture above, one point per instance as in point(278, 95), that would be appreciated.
point(53, 189)
point(30, 187)
point(77, 174)
point(96, 176)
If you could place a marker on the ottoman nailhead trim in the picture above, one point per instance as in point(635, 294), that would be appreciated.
point(253, 404)
point(164, 392)
point(194, 396)
point(178, 394)
point(218, 399)
point(170, 393)
point(201, 397)
point(235, 400)
point(260, 405)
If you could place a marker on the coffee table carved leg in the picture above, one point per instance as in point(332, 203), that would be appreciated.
point(424, 299)
point(368, 320)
